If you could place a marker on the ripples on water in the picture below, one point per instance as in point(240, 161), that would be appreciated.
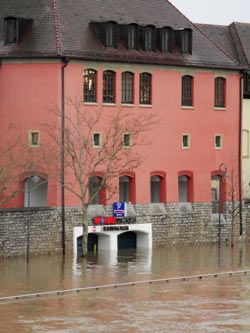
point(209, 305)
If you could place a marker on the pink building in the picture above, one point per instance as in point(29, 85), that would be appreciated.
point(144, 56)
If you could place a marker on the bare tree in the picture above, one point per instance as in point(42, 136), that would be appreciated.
point(121, 133)
point(234, 196)
point(16, 161)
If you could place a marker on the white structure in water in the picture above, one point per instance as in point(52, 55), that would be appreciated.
point(108, 235)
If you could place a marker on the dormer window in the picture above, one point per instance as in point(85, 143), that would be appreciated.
point(132, 37)
point(186, 41)
point(148, 38)
point(165, 39)
point(110, 29)
point(10, 30)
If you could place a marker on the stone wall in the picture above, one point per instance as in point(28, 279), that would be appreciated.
point(171, 224)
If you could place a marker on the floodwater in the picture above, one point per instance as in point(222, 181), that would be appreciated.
point(209, 305)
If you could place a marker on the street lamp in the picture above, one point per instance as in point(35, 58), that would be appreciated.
point(222, 174)
point(34, 180)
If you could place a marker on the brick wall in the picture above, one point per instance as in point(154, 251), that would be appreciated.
point(171, 224)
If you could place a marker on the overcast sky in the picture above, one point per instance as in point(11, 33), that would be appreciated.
point(214, 11)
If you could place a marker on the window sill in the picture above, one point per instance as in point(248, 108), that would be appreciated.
point(187, 107)
point(90, 103)
point(145, 105)
point(109, 104)
point(185, 148)
point(127, 105)
point(218, 148)
point(34, 146)
point(219, 109)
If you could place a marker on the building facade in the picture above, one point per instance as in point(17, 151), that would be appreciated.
point(149, 59)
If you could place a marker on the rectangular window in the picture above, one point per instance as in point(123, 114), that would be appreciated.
point(34, 138)
point(110, 35)
point(10, 25)
point(132, 37)
point(90, 85)
point(187, 91)
point(148, 39)
point(219, 92)
point(97, 140)
point(185, 141)
point(218, 142)
point(145, 88)
point(108, 87)
point(127, 88)
point(165, 40)
point(126, 140)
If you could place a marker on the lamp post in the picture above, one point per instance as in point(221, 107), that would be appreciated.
point(34, 180)
point(223, 171)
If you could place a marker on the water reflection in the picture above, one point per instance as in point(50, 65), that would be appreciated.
point(210, 305)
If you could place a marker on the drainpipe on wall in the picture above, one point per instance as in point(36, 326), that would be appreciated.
point(240, 153)
point(65, 62)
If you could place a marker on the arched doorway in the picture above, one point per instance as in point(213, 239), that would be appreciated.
point(127, 240)
point(35, 192)
point(92, 243)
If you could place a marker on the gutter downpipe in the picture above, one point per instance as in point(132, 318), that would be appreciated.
point(240, 153)
point(65, 62)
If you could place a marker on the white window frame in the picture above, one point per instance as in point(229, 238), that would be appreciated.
point(123, 140)
point(100, 140)
point(221, 145)
point(189, 140)
point(31, 132)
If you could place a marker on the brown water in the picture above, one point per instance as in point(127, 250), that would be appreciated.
point(207, 305)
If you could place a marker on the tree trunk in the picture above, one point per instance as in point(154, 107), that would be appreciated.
point(84, 231)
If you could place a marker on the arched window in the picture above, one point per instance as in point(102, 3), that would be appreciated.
point(219, 92)
point(127, 88)
point(215, 187)
point(145, 88)
point(108, 87)
point(126, 189)
point(90, 85)
point(218, 190)
point(185, 186)
point(187, 91)
point(158, 187)
point(35, 192)
point(97, 195)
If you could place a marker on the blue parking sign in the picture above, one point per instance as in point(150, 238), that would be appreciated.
point(119, 209)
